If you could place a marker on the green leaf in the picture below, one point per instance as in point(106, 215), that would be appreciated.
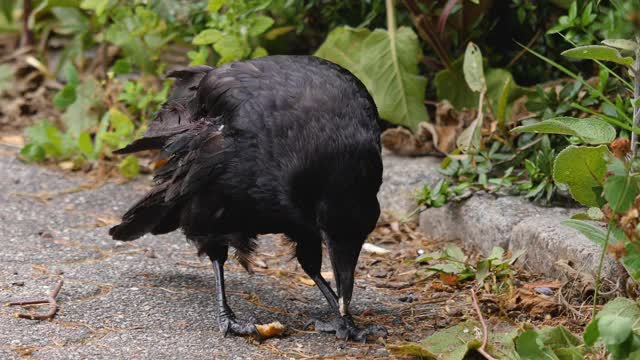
point(259, 52)
point(387, 64)
point(454, 252)
point(452, 86)
point(558, 337)
point(472, 68)
point(230, 48)
point(592, 232)
point(71, 20)
point(529, 346)
point(631, 259)
point(483, 270)
point(121, 66)
point(65, 97)
point(215, 5)
point(98, 6)
point(614, 329)
point(209, 36)
point(129, 167)
point(620, 192)
point(590, 131)
point(85, 145)
point(450, 343)
point(622, 44)
point(260, 24)
point(33, 152)
point(591, 333)
point(598, 52)
point(582, 169)
point(80, 116)
point(6, 7)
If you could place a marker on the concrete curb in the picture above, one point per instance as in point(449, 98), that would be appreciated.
point(484, 221)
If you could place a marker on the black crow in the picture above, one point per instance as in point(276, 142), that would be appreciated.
point(279, 144)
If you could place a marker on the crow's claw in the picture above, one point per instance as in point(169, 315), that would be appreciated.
point(344, 328)
point(229, 325)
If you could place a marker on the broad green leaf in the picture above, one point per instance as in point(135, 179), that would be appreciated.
point(260, 24)
point(451, 85)
point(98, 6)
point(259, 52)
point(448, 268)
point(631, 259)
point(215, 5)
point(450, 343)
point(591, 231)
point(71, 20)
point(591, 333)
point(614, 329)
point(622, 44)
point(33, 152)
point(624, 307)
point(469, 139)
point(65, 97)
point(557, 337)
point(482, 271)
point(529, 346)
point(454, 252)
point(598, 52)
point(472, 68)
point(387, 64)
point(230, 48)
point(582, 169)
point(129, 167)
point(590, 131)
point(620, 192)
point(85, 145)
point(6, 7)
point(209, 36)
point(79, 115)
point(496, 253)
point(121, 66)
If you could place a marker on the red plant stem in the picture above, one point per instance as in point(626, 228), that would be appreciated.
point(27, 34)
point(53, 305)
point(427, 32)
point(485, 331)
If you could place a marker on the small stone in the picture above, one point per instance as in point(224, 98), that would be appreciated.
point(18, 283)
point(544, 291)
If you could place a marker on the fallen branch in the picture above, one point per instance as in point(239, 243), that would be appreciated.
point(51, 300)
point(485, 332)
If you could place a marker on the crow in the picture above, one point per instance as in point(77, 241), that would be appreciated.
point(277, 144)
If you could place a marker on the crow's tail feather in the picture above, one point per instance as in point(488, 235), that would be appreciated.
point(177, 129)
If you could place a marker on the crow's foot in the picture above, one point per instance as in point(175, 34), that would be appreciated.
point(230, 325)
point(345, 328)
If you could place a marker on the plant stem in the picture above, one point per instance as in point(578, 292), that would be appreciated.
point(27, 34)
point(636, 96)
point(427, 32)
point(599, 273)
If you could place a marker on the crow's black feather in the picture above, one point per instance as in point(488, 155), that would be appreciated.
point(280, 144)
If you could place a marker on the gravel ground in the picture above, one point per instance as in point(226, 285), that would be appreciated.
point(152, 298)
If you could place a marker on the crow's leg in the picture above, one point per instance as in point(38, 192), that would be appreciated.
point(226, 318)
point(343, 261)
point(309, 256)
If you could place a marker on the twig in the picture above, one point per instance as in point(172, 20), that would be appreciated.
point(485, 332)
point(427, 33)
point(27, 34)
point(51, 300)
